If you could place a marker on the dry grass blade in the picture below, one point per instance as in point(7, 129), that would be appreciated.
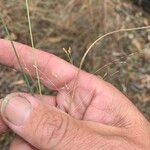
point(17, 56)
point(99, 39)
point(32, 43)
point(105, 35)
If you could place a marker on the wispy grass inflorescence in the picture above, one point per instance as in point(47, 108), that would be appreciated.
point(68, 54)
point(32, 44)
point(105, 35)
point(95, 42)
point(16, 54)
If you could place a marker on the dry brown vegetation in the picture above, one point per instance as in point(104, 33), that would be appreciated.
point(122, 59)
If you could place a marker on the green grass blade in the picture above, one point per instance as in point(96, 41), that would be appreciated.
point(17, 56)
point(32, 43)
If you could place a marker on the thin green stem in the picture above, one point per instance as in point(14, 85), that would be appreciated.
point(16, 54)
point(32, 43)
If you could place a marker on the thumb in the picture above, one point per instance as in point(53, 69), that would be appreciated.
point(41, 125)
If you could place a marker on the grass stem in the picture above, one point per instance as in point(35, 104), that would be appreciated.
point(105, 35)
point(32, 44)
point(17, 56)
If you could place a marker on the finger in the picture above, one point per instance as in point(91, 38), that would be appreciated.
point(50, 100)
point(54, 72)
point(3, 126)
point(43, 126)
point(20, 144)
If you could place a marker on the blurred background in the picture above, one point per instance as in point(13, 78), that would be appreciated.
point(122, 59)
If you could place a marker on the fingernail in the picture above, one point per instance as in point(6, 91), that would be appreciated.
point(15, 109)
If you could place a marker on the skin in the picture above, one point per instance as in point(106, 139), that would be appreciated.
point(94, 116)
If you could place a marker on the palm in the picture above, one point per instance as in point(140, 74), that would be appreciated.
point(83, 97)
point(92, 100)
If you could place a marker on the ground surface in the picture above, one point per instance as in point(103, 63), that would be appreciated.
point(124, 58)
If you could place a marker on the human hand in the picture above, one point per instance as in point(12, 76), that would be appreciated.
point(98, 116)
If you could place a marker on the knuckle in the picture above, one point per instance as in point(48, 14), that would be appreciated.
point(48, 128)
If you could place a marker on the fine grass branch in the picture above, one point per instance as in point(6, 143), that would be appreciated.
point(98, 40)
point(16, 54)
point(68, 54)
point(105, 35)
point(33, 47)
